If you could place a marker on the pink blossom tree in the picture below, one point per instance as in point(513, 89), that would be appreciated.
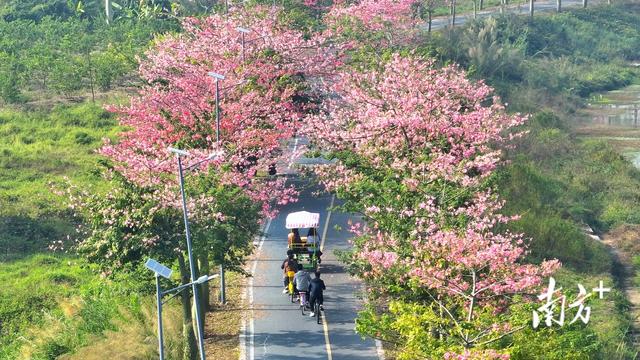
point(416, 147)
point(375, 14)
point(262, 100)
point(263, 97)
point(378, 24)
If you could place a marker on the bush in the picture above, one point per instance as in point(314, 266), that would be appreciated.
point(83, 138)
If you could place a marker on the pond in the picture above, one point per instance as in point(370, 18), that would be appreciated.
point(614, 116)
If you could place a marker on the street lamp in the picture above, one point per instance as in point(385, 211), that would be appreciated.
point(165, 272)
point(192, 266)
point(218, 77)
point(242, 32)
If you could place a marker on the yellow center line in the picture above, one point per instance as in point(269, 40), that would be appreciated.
point(325, 324)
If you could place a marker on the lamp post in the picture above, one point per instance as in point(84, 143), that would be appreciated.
point(219, 77)
point(192, 266)
point(161, 270)
point(242, 32)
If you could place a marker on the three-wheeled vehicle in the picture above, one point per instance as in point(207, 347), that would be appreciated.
point(305, 248)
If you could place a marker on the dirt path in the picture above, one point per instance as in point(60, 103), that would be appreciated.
point(623, 242)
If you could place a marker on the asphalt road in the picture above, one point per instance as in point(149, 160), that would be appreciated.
point(276, 329)
point(514, 8)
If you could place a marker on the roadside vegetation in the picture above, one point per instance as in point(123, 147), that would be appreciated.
point(557, 182)
point(58, 304)
point(41, 147)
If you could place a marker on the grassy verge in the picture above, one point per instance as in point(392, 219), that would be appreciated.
point(38, 148)
point(58, 306)
point(223, 322)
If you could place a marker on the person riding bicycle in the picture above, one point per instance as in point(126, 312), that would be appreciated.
point(288, 265)
point(315, 293)
point(301, 282)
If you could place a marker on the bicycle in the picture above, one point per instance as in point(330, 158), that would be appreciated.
point(316, 309)
point(303, 301)
point(292, 293)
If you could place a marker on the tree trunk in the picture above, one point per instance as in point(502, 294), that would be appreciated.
point(93, 93)
point(584, 4)
point(429, 30)
point(203, 262)
point(531, 8)
point(481, 5)
point(190, 350)
point(453, 13)
point(559, 5)
point(475, 9)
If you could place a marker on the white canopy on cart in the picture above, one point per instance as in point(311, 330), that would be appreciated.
point(302, 219)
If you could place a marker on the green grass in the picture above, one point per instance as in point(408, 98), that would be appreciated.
point(557, 183)
point(41, 149)
point(601, 338)
point(58, 304)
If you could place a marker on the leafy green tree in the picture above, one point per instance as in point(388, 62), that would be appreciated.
point(9, 78)
point(131, 223)
point(67, 74)
point(108, 66)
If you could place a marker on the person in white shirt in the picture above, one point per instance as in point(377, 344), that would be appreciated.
point(313, 243)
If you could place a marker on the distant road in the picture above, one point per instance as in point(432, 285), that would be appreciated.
point(442, 22)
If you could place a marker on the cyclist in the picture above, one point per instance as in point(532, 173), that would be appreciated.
point(315, 293)
point(301, 282)
point(289, 264)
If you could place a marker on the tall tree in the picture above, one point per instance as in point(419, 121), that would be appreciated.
point(262, 99)
point(415, 149)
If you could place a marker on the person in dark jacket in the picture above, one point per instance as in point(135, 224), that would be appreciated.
point(316, 287)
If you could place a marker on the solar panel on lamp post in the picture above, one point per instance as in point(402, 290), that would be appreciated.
point(192, 267)
point(161, 270)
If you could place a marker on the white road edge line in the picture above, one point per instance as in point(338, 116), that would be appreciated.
point(325, 326)
point(243, 326)
point(379, 350)
point(326, 224)
point(293, 153)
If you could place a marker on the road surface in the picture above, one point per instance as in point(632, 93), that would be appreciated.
point(274, 327)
